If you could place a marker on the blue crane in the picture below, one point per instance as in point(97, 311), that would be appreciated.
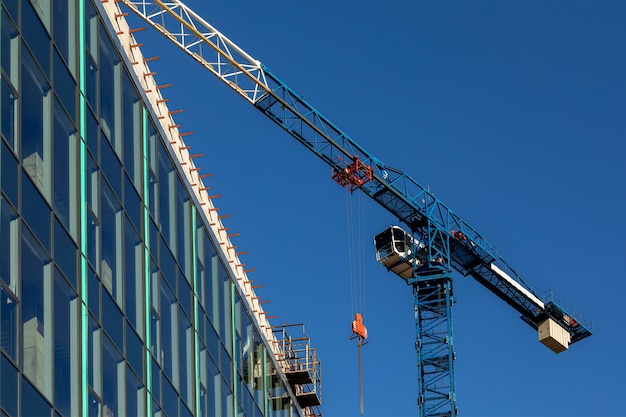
point(433, 242)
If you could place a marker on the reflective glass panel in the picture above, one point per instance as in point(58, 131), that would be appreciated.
point(133, 272)
point(36, 212)
point(33, 404)
point(132, 131)
point(9, 177)
point(65, 347)
point(65, 168)
point(36, 314)
point(9, 113)
point(8, 323)
point(65, 253)
point(64, 85)
point(134, 396)
point(64, 23)
point(36, 35)
point(9, 242)
point(111, 264)
point(183, 216)
point(8, 386)
point(169, 331)
point(112, 380)
point(110, 91)
point(35, 124)
point(167, 197)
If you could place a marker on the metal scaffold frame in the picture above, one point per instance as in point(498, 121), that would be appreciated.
point(301, 366)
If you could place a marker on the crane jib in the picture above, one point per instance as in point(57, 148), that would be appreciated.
point(448, 237)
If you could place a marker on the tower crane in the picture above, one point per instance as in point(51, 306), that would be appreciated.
point(433, 242)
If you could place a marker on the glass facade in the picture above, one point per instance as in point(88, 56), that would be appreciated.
point(114, 296)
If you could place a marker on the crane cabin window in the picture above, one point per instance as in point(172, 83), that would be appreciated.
point(393, 241)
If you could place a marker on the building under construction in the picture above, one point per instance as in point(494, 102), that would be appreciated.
point(122, 292)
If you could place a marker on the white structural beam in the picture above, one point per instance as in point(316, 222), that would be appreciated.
point(205, 44)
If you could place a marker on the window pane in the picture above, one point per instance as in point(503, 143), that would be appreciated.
point(156, 382)
point(9, 174)
point(213, 343)
point(133, 271)
point(168, 265)
point(227, 400)
point(132, 131)
point(226, 365)
point(132, 203)
point(11, 5)
point(94, 294)
point(167, 197)
point(170, 399)
point(259, 358)
point(112, 381)
point(94, 406)
point(213, 288)
point(8, 386)
point(9, 242)
point(64, 15)
point(93, 186)
point(226, 322)
point(64, 86)
point(169, 332)
point(215, 391)
point(110, 91)
point(91, 28)
point(36, 35)
point(92, 179)
point(35, 124)
point(42, 7)
point(134, 396)
point(8, 323)
point(36, 312)
point(65, 348)
point(10, 49)
point(153, 159)
point(33, 404)
point(65, 253)
point(95, 356)
point(185, 297)
point(65, 161)
point(155, 325)
point(91, 82)
point(93, 134)
point(112, 320)
point(185, 337)
point(36, 213)
point(9, 113)
point(183, 216)
point(134, 350)
point(111, 265)
point(111, 167)
point(93, 241)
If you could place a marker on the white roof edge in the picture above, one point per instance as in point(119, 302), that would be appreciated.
point(174, 137)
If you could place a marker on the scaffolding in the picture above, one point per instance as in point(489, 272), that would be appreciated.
point(300, 364)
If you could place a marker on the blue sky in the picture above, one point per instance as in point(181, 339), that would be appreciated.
point(513, 113)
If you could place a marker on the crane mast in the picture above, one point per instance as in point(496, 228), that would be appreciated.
point(438, 241)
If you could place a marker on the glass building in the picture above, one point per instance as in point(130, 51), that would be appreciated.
point(121, 293)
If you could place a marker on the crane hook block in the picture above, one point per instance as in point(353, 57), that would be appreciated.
point(352, 175)
point(358, 329)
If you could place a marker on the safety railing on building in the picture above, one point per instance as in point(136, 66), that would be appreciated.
point(301, 366)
